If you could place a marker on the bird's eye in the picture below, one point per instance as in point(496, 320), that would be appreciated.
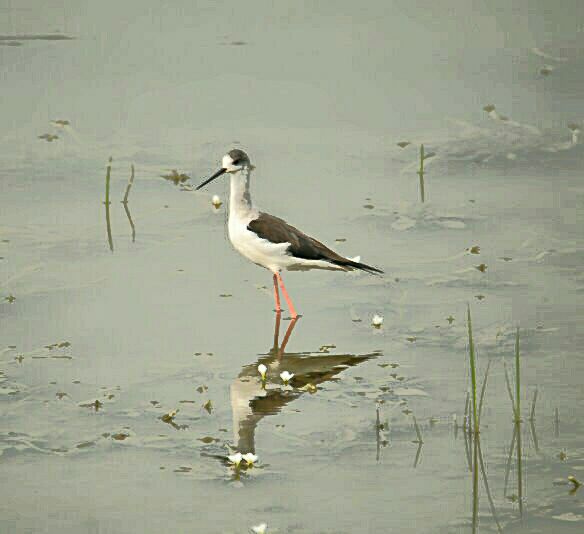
point(235, 162)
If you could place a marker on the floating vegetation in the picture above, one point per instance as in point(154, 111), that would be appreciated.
point(169, 417)
point(403, 144)
point(482, 267)
point(286, 377)
point(208, 439)
point(475, 249)
point(96, 405)
point(262, 528)
point(175, 177)
point(377, 321)
point(216, 201)
point(120, 436)
point(60, 123)
point(235, 459)
point(250, 459)
point(208, 406)
point(58, 345)
point(575, 483)
point(311, 388)
point(450, 319)
point(37, 37)
point(48, 137)
point(262, 370)
point(10, 298)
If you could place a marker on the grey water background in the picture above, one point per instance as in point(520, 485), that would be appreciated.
point(318, 93)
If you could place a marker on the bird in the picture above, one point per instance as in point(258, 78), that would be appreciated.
point(269, 241)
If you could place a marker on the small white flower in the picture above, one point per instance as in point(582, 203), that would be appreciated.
point(262, 370)
point(286, 376)
point(250, 458)
point(260, 529)
point(377, 320)
point(216, 201)
point(235, 459)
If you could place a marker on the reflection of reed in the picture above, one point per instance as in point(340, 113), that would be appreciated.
point(516, 441)
point(253, 399)
point(419, 441)
point(107, 205)
point(126, 206)
point(473, 441)
point(516, 446)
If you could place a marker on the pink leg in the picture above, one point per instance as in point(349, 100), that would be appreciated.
point(277, 295)
point(293, 313)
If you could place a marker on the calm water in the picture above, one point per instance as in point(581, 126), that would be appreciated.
point(96, 345)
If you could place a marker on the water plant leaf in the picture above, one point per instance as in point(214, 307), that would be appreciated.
point(175, 177)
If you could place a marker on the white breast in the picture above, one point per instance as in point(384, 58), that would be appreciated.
point(272, 256)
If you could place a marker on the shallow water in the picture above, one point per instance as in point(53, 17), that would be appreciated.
point(97, 346)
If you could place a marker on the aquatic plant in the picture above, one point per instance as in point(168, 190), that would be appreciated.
point(235, 459)
point(377, 320)
point(260, 529)
point(250, 458)
point(107, 205)
point(262, 370)
point(473, 379)
point(286, 377)
point(421, 173)
point(216, 201)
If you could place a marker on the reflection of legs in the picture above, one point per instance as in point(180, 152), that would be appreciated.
point(293, 313)
point(275, 348)
point(287, 336)
point(277, 295)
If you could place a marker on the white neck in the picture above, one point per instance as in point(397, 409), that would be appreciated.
point(240, 197)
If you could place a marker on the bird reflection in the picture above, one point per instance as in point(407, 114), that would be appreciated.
point(252, 399)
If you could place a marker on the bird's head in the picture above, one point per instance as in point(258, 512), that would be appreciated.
point(234, 161)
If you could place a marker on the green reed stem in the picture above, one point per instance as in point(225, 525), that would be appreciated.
point(473, 378)
point(421, 174)
point(517, 379)
point(483, 389)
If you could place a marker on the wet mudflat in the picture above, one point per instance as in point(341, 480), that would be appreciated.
point(132, 332)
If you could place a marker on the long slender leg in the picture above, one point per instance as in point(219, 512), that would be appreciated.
point(293, 313)
point(277, 295)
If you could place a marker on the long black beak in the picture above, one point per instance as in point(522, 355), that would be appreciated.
point(216, 175)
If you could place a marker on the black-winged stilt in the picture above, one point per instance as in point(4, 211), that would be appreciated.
point(271, 242)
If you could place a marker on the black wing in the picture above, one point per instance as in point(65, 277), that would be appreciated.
point(276, 230)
